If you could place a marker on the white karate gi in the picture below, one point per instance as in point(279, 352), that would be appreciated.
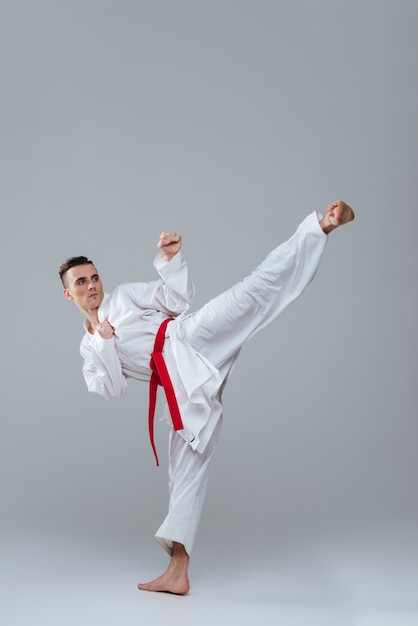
point(199, 351)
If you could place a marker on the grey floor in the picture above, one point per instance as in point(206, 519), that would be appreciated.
point(364, 577)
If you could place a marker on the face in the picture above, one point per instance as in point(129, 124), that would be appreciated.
point(84, 287)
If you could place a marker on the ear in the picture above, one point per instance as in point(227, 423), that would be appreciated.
point(68, 295)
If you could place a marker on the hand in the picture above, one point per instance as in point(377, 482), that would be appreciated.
point(105, 329)
point(169, 243)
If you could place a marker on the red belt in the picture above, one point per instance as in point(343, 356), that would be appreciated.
point(160, 376)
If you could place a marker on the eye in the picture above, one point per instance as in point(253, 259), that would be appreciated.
point(80, 281)
point(95, 279)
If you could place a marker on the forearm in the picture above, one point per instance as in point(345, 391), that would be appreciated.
point(177, 291)
point(102, 369)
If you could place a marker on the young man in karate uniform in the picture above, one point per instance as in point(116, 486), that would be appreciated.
point(191, 357)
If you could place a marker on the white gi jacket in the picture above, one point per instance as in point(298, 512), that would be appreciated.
point(136, 310)
point(223, 325)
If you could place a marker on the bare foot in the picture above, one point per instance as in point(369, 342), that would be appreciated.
point(175, 579)
point(169, 582)
point(338, 214)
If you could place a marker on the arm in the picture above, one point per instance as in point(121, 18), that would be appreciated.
point(175, 292)
point(102, 369)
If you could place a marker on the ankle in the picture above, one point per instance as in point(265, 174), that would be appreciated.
point(326, 225)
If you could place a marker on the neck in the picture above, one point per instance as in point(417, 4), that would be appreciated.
point(92, 318)
point(91, 326)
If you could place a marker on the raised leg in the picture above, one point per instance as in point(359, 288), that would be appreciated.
point(226, 322)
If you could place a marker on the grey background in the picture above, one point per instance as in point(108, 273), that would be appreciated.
point(228, 122)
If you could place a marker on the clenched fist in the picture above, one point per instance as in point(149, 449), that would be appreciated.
point(169, 243)
point(105, 329)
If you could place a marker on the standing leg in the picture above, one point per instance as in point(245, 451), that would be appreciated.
point(188, 480)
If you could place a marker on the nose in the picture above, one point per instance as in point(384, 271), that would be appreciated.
point(90, 285)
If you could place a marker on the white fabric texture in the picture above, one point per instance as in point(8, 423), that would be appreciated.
point(217, 331)
point(200, 350)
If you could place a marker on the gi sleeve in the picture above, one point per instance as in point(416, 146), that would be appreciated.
point(175, 291)
point(102, 369)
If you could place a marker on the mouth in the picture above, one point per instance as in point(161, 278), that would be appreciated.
point(93, 295)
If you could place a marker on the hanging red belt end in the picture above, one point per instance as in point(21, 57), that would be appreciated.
point(160, 376)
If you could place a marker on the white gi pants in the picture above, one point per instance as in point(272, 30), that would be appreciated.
point(218, 330)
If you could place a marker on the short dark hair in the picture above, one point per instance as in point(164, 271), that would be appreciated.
point(72, 262)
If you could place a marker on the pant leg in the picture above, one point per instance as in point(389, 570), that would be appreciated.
point(226, 322)
point(217, 331)
point(188, 480)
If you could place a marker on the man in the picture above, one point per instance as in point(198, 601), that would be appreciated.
point(191, 357)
